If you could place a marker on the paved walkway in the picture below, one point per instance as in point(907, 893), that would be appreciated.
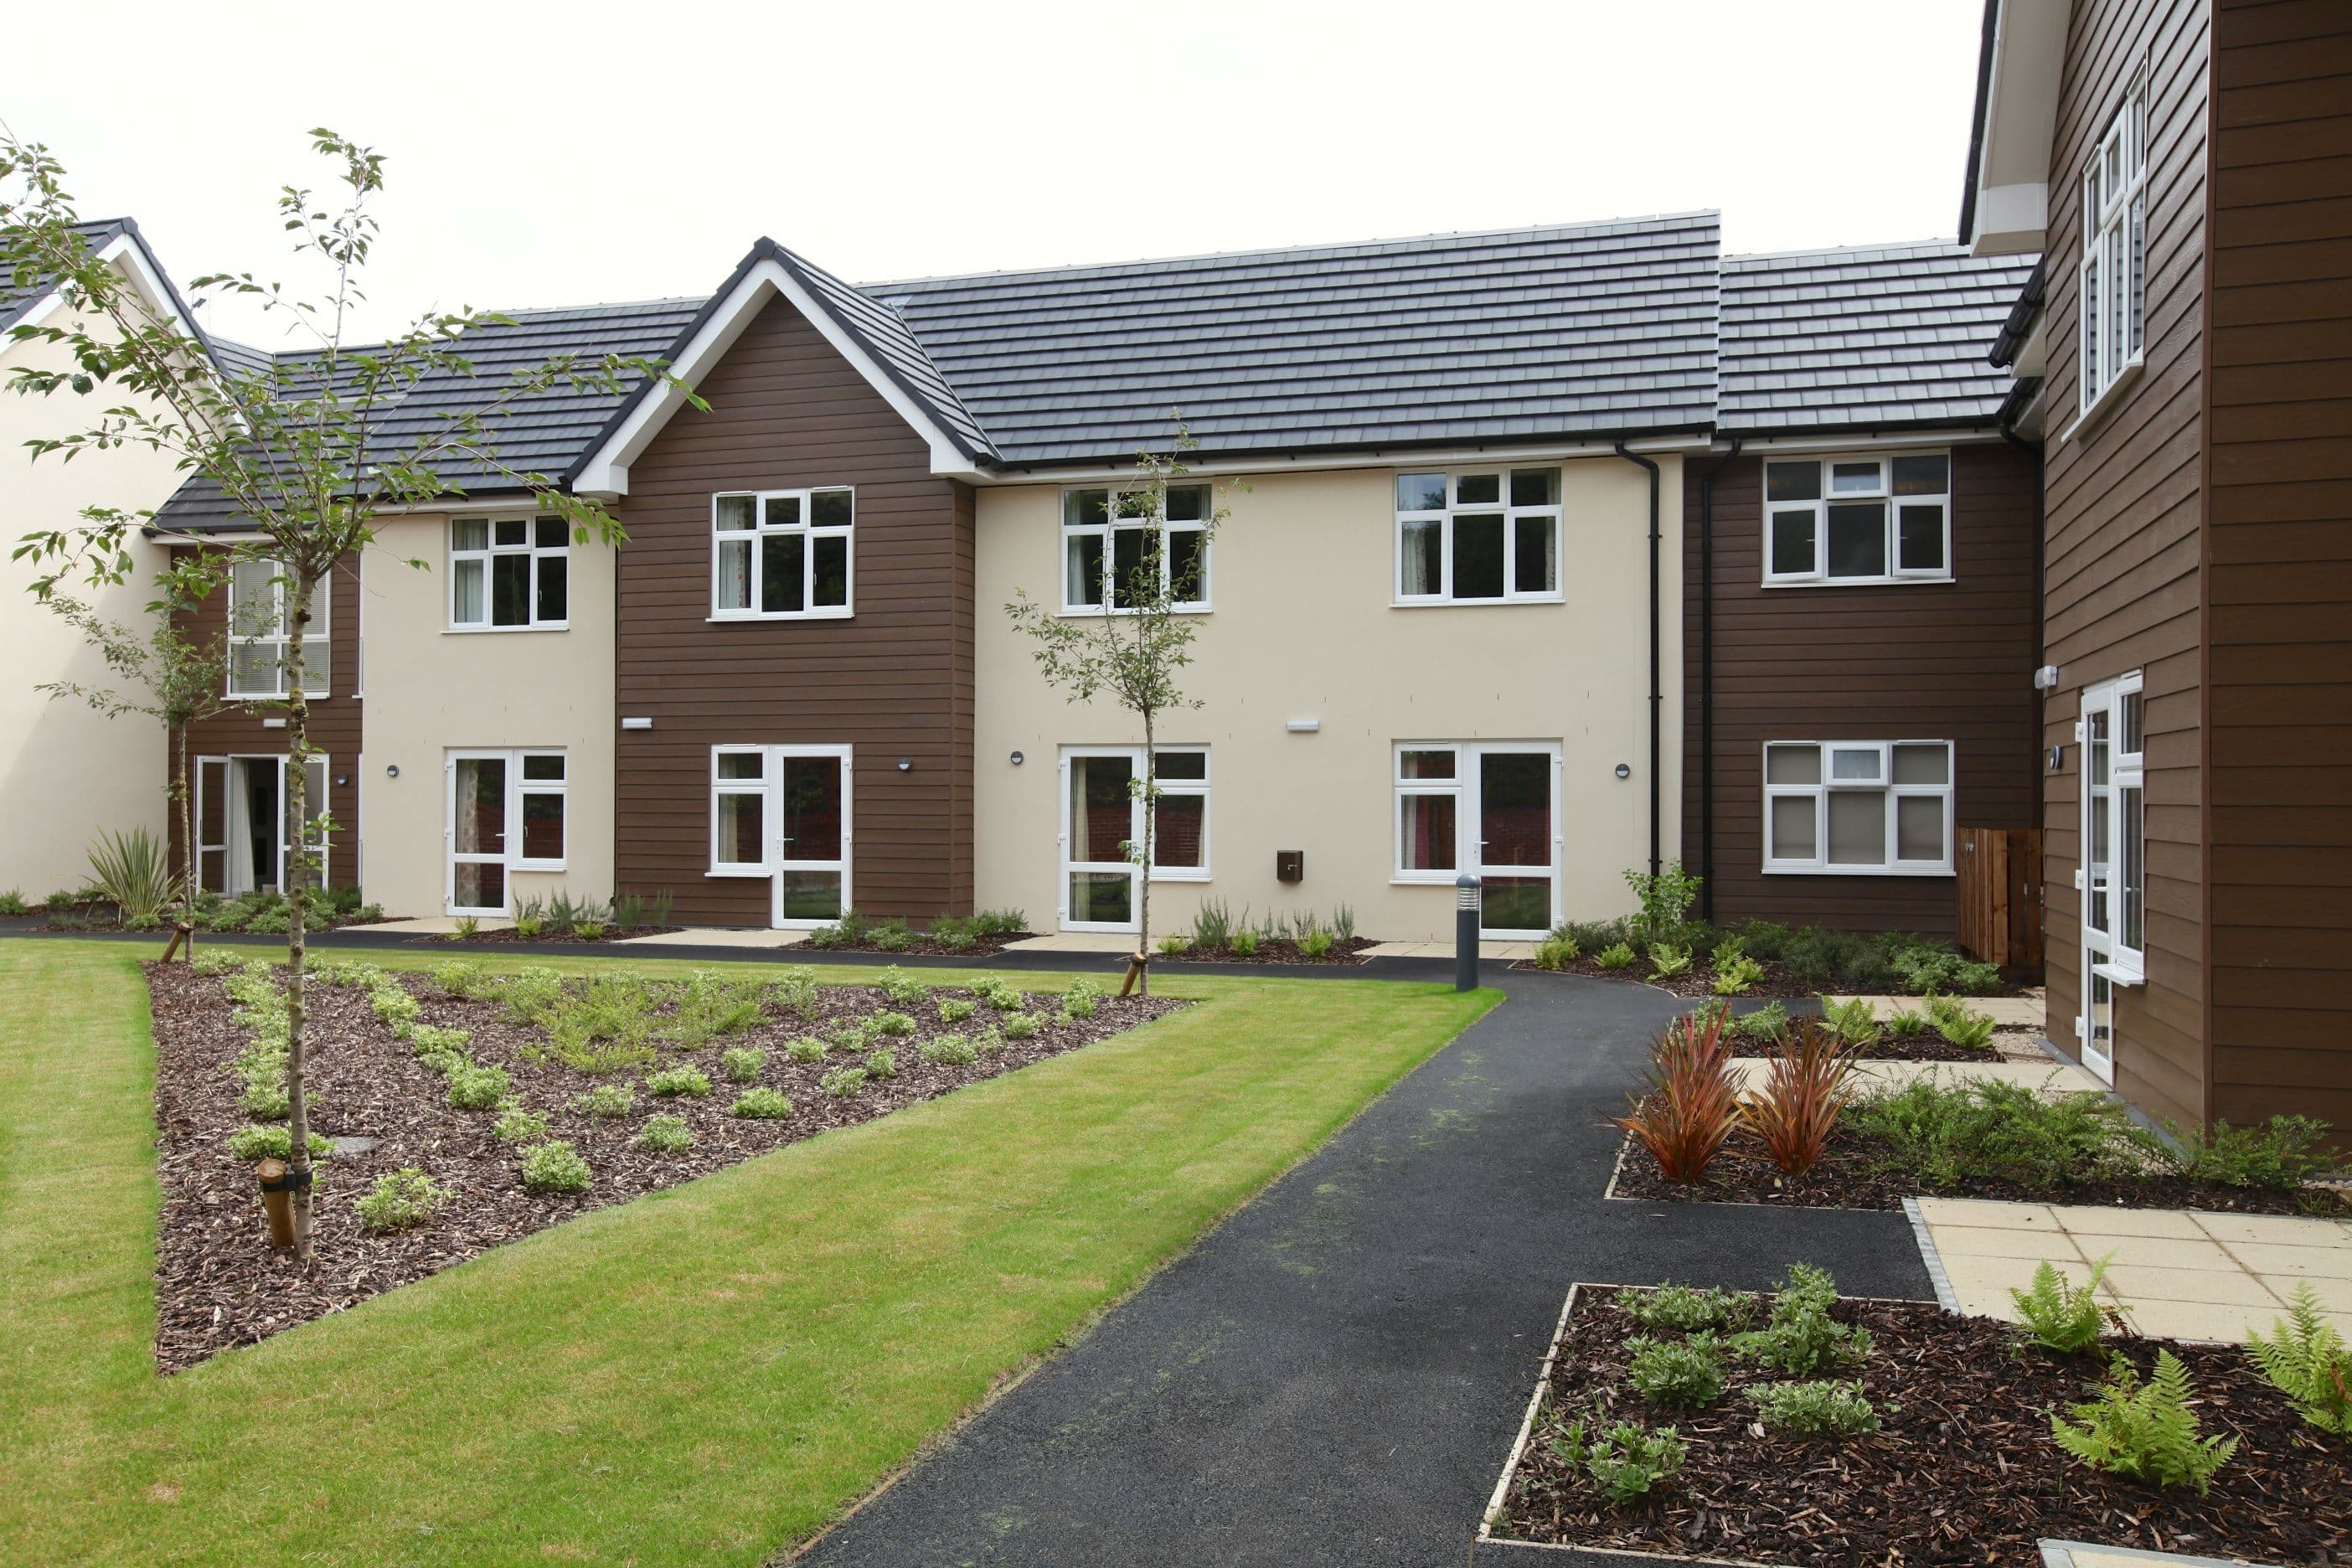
point(1334, 1376)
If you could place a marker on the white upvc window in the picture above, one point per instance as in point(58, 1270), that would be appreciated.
point(257, 595)
point(1428, 812)
point(510, 573)
point(1858, 807)
point(781, 554)
point(1869, 518)
point(2114, 879)
point(739, 812)
point(542, 791)
point(1105, 540)
point(2113, 279)
point(1485, 536)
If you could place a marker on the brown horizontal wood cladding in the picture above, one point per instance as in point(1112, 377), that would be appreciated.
point(893, 681)
point(2123, 587)
point(1900, 661)
point(2279, 551)
point(334, 718)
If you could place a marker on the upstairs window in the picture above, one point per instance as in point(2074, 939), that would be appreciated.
point(2115, 251)
point(510, 573)
point(1486, 537)
point(257, 595)
point(1858, 519)
point(1858, 806)
point(1106, 538)
point(780, 553)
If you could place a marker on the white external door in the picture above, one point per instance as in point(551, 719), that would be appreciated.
point(810, 788)
point(211, 825)
point(2112, 883)
point(1513, 830)
point(478, 833)
point(1100, 818)
point(244, 828)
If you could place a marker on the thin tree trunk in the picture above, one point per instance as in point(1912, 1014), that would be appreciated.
point(297, 859)
point(189, 861)
point(1150, 821)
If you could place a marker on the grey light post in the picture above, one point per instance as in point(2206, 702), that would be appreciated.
point(1465, 932)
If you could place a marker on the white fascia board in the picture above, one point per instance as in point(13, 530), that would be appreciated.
point(606, 472)
point(2012, 172)
point(1898, 440)
point(2012, 220)
point(125, 253)
point(1321, 462)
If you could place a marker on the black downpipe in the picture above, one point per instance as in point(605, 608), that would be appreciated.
point(1657, 696)
point(1707, 680)
point(2038, 697)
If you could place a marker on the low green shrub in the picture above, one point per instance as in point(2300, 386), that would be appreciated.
point(761, 1105)
point(2060, 1316)
point(1315, 943)
point(794, 993)
point(518, 1125)
point(1686, 1372)
point(903, 989)
point(2148, 1432)
point(1853, 1020)
point(531, 995)
point(1616, 955)
point(607, 1101)
point(1767, 1022)
point(216, 960)
point(459, 977)
point(1906, 1024)
point(665, 1135)
point(555, 1167)
point(1021, 1026)
point(2279, 1155)
point(670, 1082)
point(1082, 998)
point(744, 1064)
point(1667, 960)
point(399, 1200)
point(989, 1040)
point(1000, 995)
point(1591, 936)
point(1952, 1135)
point(893, 1024)
point(1735, 976)
point(852, 1039)
point(249, 1144)
point(1683, 1309)
point(956, 1009)
point(1626, 1461)
point(588, 930)
point(2305, 1358)
point(392, 1004)
point(882, 1064)
point(1557, 952)
point(530, 927)
point(954, 1050)
point(1802, 1337)
point(843, 1081)
point(468, 928)
point(1244, 943)
point(1000, 923)
point(473, 1087)
point(1809, 1408)
point(805, 1048)
point(12, 903)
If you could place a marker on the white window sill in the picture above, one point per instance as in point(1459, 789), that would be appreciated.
point(761, 872)
point(740, 616)
point(1909, 578)
point(1426, 879)
point(277, 696)
point(537, 865)
point(1095, 612)
point(1772, 870)
point(1478, 603)
point(482, 631)
point(1179, 875)
point(2120, 973)
point(2109, 395)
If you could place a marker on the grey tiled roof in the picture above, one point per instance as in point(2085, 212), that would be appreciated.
point(1872, 337)
point(1577, 331)
point(889, 341)
point(18, 295)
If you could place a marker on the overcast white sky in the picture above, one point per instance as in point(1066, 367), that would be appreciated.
point(549, 154)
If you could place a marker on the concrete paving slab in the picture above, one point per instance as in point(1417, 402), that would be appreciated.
point(1984, 1241)
point(717, 936)
point(2328, 1262)
point(2277, 1229)
point(434, 925)
point(2225, 1286)
point(1990, 1212)
point(1503, 952)
point(1074, 941)
point(2041, 1075)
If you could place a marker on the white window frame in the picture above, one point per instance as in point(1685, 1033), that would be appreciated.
point(1402, 788)
point(216, 768)
point(2105, 948)
point(1818, 574)
point(762, 530)
point(773, 862)
point(1455, 507)
point(2111, 277)
point(510, 836)
point(1819, 864)
point(486, 557)
point(1469, 823)
point(323, 666)
point(1111, 525)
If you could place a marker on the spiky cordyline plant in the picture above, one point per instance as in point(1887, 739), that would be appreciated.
point(1807, 1087)
point(1691, 1106)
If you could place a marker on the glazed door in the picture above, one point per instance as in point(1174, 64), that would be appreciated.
point(1515, 834)
point(478, 833)
point(811, 849)
point(1099, 819)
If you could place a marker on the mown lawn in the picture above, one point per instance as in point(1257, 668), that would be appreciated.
point(704, 1376)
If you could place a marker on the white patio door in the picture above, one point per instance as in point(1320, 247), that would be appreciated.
point(811, 847)
point(245, 830)
point(1512, 830)
point(1100, 816)
point(478, 833)
point(211, 825)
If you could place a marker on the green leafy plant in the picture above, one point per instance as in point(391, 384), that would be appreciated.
point(761, 1105)
point(1213, 926)
point(853, 1038)
point(664, 1134)
point(843, 1081)
point(1685, 1309)
point(794, 993)
point(2060, 1316)
point(1557, 952)
point(1665, 898)
point(459, 977)
point(805, 1048)
point(1616, 955)
point(954, 1050)
point(956, 1009)
point(1021, 1026)
point(555, 1167)
point(903, 989)
point(394, 1006)
point(1082, 998)
point(893, 1024)
point(1171, 945)
point(607, 1101)
point(12, 903)
point(1000, 923)
point(399, 1200)
point(744, 1064)
point(1959, 1023)
point(1802, 1337)
point(473, 1087)
point(132, 871)
point(1687, 1372)
point(882, 1064)
point(516, 1124)
point(2279, 1155)
point(1809, 1408)
point(1626, 1461)
point(1952, 1135)
point(1244, 943)
point(1667, 961)
point(588, 930)
point(670, 1082)
point(1906, 1024)
point(1690, 1107)
point(251, 1143)
point(2305, 1358)
point(62, 901)
point(1853, 1020)
point(1736, 975)
point(1315, 943)
point(468, 928)
point(1806, 1087)
point(2148, 1432)
point(1767, 1022)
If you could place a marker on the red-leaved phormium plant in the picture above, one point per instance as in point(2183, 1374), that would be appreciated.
point(1807, 1084)
point(1691, 1107)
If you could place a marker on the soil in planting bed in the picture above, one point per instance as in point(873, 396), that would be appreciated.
point(1963, 1469)
point(1271, 949)
point(1858, 1172)
point(549, 932)
point(929, 947)
point(217, 1283)
point(1777, 982)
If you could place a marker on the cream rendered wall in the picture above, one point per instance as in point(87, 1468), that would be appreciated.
point(67, 772)
point(1302, 579)
point(429, 689)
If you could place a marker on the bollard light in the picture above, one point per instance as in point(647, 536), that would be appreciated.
point(1467, 921)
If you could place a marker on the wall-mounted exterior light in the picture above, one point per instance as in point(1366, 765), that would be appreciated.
point(1018, 759)
point(1625, 772)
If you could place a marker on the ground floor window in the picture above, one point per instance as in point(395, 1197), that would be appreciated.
point(1491, 807)
point(1102, 821)
point(1858, 806)
point(781, 813)
point(245, 829)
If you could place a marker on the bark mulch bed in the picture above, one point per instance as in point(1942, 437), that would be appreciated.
point(917, 942)
point(1963, 1469)
point(217, 1283)
point(1271, 949)
point(1928, 1046)
point(1858, 1172)
point(1777, 982)
point(549, 932)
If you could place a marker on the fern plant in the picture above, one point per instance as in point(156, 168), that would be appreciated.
point(1852, 1020)
point(1616, 955)
point(2305, 1359)
point(2146, 1431)
point(1666, 962)
point(2060, 1316)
